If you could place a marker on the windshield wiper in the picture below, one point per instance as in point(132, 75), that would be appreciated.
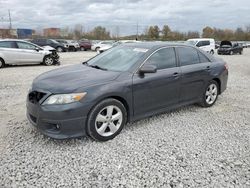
point(97, 67)
point(94, 66)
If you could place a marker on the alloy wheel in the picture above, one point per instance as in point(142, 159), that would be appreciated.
point(108, 121)
point(211, 94)
point(48, 61)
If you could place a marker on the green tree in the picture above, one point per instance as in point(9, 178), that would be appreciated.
point(166, 32)
point(100, 33)
point(207, 32)
point(153, 32)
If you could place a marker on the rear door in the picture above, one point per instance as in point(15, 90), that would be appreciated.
point(155, 91)
point(195, 69)
point(9, 52)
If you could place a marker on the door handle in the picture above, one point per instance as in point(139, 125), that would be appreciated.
point(176, 74)
point(208, 68)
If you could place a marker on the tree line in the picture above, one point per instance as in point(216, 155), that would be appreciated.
point(167, 34)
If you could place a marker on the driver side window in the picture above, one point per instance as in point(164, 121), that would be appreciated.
point(163, 58)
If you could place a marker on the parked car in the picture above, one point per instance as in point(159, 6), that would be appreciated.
point(19, 52)
point(117, 43)
point(124, 84)
point(50, 42)
point(97, 46)
point(108, 46)
point(85, 45)
point(227, 47)
point(63, 42)
point(73, 45)
point(206, 44)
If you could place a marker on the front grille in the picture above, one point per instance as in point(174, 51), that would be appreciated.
point(35, 96)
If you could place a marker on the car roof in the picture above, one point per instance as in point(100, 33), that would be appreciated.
point(13, 40)
point(154, 45)
point(201, 39)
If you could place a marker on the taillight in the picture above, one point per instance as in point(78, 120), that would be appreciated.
point(226, 66)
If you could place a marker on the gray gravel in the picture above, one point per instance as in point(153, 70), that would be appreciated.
point(189, 147)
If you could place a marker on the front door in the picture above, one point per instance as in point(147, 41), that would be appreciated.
point(155, 91)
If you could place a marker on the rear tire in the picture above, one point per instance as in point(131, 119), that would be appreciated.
point(231, 52)
point(106, 120)
point(2, 64)
point(82, 49)
point(210, 94)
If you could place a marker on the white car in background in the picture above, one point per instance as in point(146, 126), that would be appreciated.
point(20, 52)
point(108, 46)
point(73, 45)
point(97, 46)
point(206, 44)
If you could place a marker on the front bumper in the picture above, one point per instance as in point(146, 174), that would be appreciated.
point(223, 52)
point(58, 121)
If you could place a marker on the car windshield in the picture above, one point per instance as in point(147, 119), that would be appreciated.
point(118, 58)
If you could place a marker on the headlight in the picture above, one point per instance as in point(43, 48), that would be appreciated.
point(64, 98)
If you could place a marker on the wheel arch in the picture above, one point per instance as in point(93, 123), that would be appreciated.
point(120, 99)
point(219, 84)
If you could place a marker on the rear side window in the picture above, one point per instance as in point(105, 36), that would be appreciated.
point(163, 58)
point(7, 44)
point(203, 43)
point(203, 58)
point(188, 56)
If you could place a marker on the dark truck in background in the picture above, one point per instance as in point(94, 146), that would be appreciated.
point(229, 48)
point(51, 42)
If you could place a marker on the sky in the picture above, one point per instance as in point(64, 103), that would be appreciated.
point(123, 16)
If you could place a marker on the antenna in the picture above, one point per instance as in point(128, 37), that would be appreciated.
point(10, 27)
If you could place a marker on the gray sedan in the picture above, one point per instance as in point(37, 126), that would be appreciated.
point(124, 84)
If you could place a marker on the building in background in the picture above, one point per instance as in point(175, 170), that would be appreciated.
point(51, 32)
point(8, 33)
point(25, 33)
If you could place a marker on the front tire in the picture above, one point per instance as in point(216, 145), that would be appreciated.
point(210, 94)
point(231, 52)
point(106, 120)
point(59, 49)
point(212, 52)
point(48, 60)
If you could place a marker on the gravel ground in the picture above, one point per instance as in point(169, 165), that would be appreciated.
point(189, 147)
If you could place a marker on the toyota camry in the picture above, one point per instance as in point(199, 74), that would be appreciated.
point(126, 83)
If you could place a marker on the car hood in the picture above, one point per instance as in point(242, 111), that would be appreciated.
point(70, 78)
point(48, 48)
point(225, 43)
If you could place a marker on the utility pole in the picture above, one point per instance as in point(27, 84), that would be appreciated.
point(10, 27)
point(137, 30)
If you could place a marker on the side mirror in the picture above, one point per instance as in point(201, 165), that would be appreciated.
point(148, 69)
point(37, 49)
